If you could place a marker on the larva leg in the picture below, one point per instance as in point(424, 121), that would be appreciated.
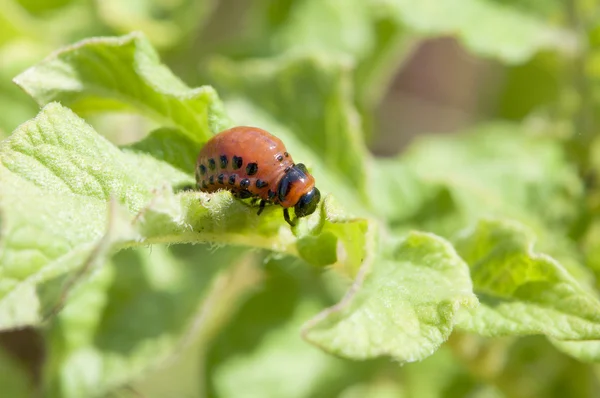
point(286, 216)
point(262, 207)
point(243, 194)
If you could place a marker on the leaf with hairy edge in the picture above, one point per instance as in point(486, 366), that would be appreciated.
point(124, 73)
point(522, 292)
point(55, 188)
point(405, 308)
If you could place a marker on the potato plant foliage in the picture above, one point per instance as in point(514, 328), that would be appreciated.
point(470, 258)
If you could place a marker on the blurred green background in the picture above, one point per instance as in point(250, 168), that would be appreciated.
point(408, 79)
point(410, 68)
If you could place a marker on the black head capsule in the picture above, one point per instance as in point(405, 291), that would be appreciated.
point(308, 203)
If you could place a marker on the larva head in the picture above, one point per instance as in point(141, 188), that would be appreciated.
point(308, 203)
point(297, 189)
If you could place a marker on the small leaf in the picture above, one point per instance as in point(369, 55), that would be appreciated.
point(522, 292)
point(119, 74)
point(406, 307)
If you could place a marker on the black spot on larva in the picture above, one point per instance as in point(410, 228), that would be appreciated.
point(244, 194)
point(211, 164)
point(202, 169)
point(286, 154)
point(261, 184)
point(232, 179)
point(280, 158)
point(236, 162)
point(211, 180)
point(204, 184)
point(271, 194)
point(221, 178)
point(245, 183)
point(251, 169)
point(223, 159)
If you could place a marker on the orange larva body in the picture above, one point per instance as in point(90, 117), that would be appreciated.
point(250, 162)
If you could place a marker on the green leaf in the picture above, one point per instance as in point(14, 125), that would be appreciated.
point(124, 74)
point(135, 314)
point(170, 146)
point(406, 307)
point(523, 292)
point(310, 94)
point(446, 183)
point(392, 183)
point(57, 176)
point(484, 27)
point(449, 182)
